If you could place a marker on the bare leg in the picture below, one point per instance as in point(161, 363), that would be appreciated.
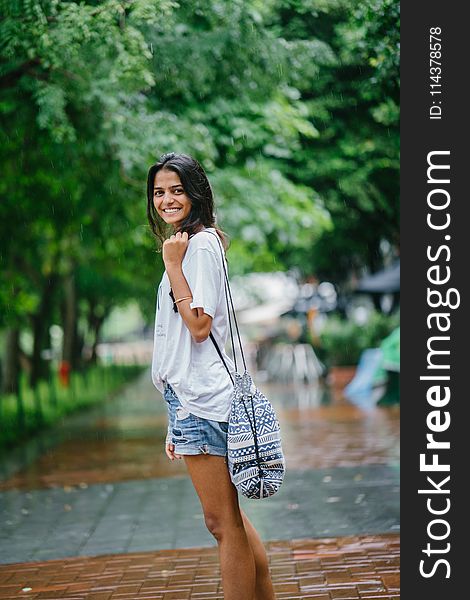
point(219, 500)
point(264, 588)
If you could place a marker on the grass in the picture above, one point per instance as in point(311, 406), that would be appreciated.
point(31, 411)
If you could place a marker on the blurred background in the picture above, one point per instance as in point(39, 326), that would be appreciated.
point(292, 108)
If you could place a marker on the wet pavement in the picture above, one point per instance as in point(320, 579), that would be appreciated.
point(122, 439)
point(165, 513)
point(98, 495)
point(356, 567)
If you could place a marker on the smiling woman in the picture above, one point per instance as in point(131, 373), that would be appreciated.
point(193, 379)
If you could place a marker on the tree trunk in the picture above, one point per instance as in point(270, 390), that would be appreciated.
point(78, 350)
point(70, 317)
point(374, 259)
point(40, 326)
point(11, 367)
point(95, 323)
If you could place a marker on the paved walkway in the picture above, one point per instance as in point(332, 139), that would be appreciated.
point(346, 568)
point(98, 500)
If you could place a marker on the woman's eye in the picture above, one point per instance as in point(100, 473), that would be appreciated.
point(179, 191)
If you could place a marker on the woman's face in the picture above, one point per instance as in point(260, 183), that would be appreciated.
point(169, 198)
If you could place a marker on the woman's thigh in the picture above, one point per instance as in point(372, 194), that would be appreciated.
point(218, 495)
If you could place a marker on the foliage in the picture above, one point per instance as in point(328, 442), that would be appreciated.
point(343, 340)
point(50, 402)
point(353, 103)
point(291, 106)
point(63, 202)
point(269, 212)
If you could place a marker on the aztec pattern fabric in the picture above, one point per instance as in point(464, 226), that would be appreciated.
point(255, 458)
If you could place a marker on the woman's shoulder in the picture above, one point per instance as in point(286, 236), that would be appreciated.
point(206, 238)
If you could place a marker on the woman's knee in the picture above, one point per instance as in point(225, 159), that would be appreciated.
point(213, 524)
point(219, 525)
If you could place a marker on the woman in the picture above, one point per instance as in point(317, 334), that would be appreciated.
point(187, 370)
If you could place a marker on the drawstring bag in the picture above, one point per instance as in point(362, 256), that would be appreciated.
point(255, 459)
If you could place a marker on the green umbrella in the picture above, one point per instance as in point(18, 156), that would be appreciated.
point(390, 348)
point(389, 368)
point(391, 351)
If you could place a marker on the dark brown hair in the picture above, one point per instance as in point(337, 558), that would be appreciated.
point(197, 188)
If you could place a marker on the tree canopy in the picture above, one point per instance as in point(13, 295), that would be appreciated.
point(290, 105)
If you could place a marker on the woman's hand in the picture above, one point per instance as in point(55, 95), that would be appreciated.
point(170, 451)
point(174, 249)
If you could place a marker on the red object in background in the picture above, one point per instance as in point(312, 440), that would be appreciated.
point(64, 373)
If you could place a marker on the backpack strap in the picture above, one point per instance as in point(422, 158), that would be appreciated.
point(228, 295)
point(220, 354)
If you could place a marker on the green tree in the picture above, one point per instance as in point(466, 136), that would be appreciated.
point(60, 169)
point(291, 105)
point(352, 100)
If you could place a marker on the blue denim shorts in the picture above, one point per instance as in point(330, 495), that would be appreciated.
point(192, 434)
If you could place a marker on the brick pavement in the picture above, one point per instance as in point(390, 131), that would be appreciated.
point(340, 435)
point(350, 568)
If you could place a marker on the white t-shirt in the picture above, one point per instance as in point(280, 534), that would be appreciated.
point(194, 369)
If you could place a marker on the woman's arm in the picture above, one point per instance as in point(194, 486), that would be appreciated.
point(196, 320)
point(198, 323)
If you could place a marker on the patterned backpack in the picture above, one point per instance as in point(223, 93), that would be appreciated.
point(255, 458)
